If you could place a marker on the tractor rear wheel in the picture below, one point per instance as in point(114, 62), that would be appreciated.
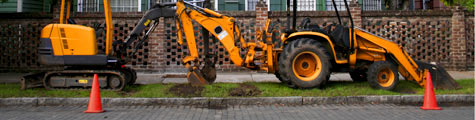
point(305, 63)
point(383, 75)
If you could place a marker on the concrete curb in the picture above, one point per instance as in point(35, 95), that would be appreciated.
point(203, 101)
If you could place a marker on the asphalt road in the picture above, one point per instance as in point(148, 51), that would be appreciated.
point(272, 112)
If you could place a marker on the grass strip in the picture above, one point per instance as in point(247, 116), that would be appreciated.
point(223, 89)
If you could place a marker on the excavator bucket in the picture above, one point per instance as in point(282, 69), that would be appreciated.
point(207, 75)
point(195, 77)
point(440, 78)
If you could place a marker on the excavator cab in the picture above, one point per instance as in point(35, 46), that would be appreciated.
point(68, 44)
point(62, 45)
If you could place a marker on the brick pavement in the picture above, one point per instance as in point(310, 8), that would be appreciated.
point(270, 112)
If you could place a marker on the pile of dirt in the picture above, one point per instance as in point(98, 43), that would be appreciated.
point(186, 90)
point(245, 90)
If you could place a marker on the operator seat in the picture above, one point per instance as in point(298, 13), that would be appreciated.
point(306, 25)
point(340, 35)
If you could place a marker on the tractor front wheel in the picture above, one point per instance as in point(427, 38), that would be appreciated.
point(383, 75)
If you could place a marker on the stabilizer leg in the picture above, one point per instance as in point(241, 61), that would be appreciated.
point(32, 81)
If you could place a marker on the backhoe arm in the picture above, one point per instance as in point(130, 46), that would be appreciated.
point(220, 26)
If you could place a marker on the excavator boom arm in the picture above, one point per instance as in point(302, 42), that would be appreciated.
point(220, 26)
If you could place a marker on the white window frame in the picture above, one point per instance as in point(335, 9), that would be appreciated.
point(301, 8)
point(340, 4)
point(80, 6)
point(81, 3)
point(372, 5)
point(139, 7)
point(246, 4)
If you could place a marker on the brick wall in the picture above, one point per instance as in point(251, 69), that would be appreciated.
point(445, 37)
point(426, 36)
point(469, 37)
point(19, 39)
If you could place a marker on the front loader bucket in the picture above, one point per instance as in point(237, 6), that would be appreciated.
point(440, 78)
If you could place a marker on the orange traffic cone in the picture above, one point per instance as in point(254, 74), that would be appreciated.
point(430, 103)
point(95, 105)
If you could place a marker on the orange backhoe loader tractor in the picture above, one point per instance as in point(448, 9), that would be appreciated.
point(303, 58)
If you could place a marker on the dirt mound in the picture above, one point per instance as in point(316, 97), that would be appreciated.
point(245, 90)
point(186, 90)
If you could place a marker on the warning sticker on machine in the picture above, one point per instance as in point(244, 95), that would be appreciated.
point(222, 35)
point(82, 81)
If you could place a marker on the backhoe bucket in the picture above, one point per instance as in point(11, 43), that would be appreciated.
point(196, 78)
point(440, 78)
point(209, 70)
point(202, 77)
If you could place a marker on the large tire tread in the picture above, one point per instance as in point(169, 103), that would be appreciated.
point(285, 63)
point(375, 68)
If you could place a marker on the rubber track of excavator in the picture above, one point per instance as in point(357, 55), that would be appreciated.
point(43, 78)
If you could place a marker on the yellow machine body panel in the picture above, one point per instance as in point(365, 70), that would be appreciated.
point(68, 39)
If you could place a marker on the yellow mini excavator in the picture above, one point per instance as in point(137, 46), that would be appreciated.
point(303, 58)
point(75, 47)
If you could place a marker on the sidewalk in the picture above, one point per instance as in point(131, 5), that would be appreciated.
point(262, 112)
point(228, 77)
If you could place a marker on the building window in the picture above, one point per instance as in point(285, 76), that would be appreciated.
point(371, 5)
point(126, 6)
point(167, 1)
point(304, 5)
point(340, 4)
point(116, 5)
point(88, 6)
point(251, 5)
point(194, 2)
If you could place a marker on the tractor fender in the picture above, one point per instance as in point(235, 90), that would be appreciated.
point(324, 39)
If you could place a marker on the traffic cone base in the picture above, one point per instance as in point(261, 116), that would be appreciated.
point(95, 105)
point(430, 102)
point(431, 108)
point(94, 111)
